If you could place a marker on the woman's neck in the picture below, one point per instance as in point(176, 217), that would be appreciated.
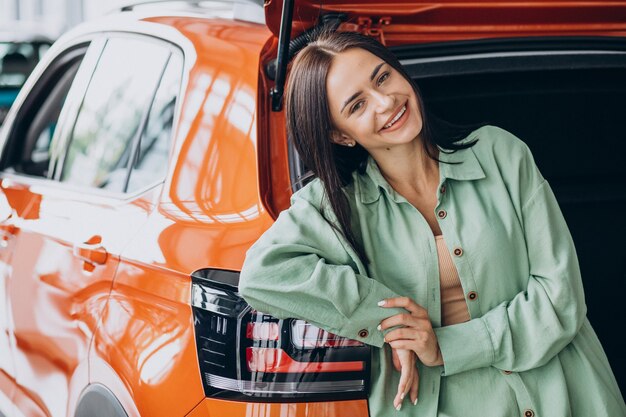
point(408, 167)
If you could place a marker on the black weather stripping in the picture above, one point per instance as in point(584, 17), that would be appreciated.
point(283, 55)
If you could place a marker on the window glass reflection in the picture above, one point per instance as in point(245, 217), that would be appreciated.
point(120, 91)
point(150, 164)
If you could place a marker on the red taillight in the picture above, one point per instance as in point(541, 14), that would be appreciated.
point(307, 336)
point(263, 331)
point(246, 355)
point(277, 360)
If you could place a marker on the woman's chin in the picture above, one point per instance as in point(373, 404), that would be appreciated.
point(409, 134)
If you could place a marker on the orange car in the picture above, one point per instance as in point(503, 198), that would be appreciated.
point(147, 152)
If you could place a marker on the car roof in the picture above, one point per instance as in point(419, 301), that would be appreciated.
point(244, 10)
point(165, 22)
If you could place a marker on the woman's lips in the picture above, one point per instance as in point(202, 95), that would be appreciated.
point(398, 124)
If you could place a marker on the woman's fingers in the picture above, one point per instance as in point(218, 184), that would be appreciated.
point(402, 319)
point(406, 333)
point(416, 340)
point(414, 387)
point(416, 334)
point(406, 303)
point(401, 344)
point(427, 351)
point(407, 359)
point(408, 387)
point(406, 379)
point(396, 360)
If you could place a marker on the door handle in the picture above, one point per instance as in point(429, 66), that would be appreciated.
point(91, 251)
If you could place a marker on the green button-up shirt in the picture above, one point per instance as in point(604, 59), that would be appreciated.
point(528, 348)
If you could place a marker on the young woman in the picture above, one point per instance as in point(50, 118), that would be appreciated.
point(445, 250)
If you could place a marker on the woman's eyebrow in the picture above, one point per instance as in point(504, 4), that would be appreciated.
point(355, 95)
point(352, 97)
point(376, 69)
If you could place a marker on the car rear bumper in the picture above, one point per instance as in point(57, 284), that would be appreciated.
point(212, 407)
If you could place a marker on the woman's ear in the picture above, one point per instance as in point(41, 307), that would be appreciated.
point(342, 139)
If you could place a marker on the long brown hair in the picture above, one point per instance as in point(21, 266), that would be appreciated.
point(310, 126)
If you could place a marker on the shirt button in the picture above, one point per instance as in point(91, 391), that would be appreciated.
point(442, 189)
point(363, 333)
point(472, 295)
point(442, 214)
point(458, 251)
point(529, 413)
point(507, 372)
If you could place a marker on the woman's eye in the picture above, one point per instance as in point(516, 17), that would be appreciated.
point(383, 78)
point(356, 107)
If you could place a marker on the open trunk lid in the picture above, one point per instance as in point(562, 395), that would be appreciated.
point(408, 21)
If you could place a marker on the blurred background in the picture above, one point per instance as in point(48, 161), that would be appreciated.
point(51, 17)
point(28, 28)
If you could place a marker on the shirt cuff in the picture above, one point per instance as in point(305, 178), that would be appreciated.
point(465, 346)
point(362, 326)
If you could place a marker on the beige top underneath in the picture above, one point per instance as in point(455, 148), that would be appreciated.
point(453, 305)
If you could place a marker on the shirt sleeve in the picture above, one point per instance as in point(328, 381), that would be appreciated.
point(300, 269)
point(529, 330)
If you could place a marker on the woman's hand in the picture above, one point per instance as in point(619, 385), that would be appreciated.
point(417, 335)
point(404, 362)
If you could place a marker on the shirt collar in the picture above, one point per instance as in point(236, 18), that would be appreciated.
point(370, 184)
point(468, 169)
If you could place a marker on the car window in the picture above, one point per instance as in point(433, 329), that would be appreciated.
point(30, 137)
point(150, 162)
point(36, 155)
point(115, 104)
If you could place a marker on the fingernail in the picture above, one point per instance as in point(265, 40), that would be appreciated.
point(382, 302)
point(379, 327)
point(399, 407)
point(415, 402)
point(402, 396)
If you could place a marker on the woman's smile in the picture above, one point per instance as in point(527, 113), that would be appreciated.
point(371, 103)
point(397, 120)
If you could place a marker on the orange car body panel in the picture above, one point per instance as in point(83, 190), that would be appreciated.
point(209, 213)
point(69, 292)
point(228, 179)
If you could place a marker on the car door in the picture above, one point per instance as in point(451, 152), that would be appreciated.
point(31, 125)
point(70, 241)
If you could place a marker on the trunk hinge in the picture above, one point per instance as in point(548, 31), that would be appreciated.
point(367, 26)
point(282, 59)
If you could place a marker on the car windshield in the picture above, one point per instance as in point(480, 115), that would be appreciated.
point(17, 60)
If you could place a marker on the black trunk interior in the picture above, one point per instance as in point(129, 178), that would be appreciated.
point(574, 121)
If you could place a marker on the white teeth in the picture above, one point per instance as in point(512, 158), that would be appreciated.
point(395, 119)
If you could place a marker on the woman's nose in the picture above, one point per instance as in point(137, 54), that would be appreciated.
point(384, 102)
